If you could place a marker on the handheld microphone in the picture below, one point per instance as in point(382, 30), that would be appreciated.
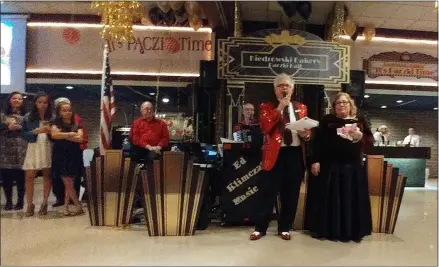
point(285, 94)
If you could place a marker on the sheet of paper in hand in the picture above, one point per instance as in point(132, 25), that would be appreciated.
point(302, 124)
point(344, 132)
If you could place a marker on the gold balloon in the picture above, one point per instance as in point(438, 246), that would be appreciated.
point(164, 6)
point(192, 8)
point(176, 5)
point(349, 26)
point(194, 22)
point(369, 32)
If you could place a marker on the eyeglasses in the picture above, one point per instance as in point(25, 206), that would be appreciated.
point(342, 102)
point(284, 85)
point(249, 109)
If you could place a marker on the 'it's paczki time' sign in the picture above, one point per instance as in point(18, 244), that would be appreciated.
point(405, 64)
point(304, 56)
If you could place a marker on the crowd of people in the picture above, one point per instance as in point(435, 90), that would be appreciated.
point(49, 139)
point(338, 205)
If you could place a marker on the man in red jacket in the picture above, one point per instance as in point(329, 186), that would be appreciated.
point(148, 132)
point(57, 184)
point(282, 159)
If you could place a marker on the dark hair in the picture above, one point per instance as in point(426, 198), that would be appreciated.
point(59, 120)
point(34, 112)
point(8, 108)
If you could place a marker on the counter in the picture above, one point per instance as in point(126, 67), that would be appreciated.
point(411, 161)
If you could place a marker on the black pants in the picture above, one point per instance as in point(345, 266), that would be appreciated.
point(8, 178)
point(285, 178)
point(58, 185)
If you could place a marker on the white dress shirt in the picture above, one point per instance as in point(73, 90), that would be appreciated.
point(378, 136)
point(292, 113)
point(413, 140)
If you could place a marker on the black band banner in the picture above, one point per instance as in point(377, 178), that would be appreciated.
point(242, 172)
point(303, 56)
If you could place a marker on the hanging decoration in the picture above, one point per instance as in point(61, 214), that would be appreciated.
point(436, 5)
point(335, 27)
point(369, 32)
point(349, 26)
point(118, 18)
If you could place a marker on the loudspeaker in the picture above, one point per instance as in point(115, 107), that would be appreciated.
point(208, 74)
point(356, 87)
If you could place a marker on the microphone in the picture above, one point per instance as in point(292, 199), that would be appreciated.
point(285, 93)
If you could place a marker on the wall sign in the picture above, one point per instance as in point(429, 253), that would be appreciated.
point(402, 64)
point(307, 60)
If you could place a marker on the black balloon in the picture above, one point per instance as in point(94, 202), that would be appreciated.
point(289, 7)
point(168, 18)
point(304, 9)
point(154, 15)
point(180, 16)
point(355, 35)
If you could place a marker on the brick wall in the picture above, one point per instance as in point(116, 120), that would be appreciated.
point(398, 122)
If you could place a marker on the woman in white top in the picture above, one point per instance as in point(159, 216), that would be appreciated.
point(36, 130)
point(382, 136)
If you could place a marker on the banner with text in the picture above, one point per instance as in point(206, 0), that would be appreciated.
point(152, 50)
point(307, 60)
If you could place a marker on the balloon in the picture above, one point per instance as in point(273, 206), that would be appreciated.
point(355, 35)
point(154, 15)
point(194, 22)
point(349, 26)
point(145, 19)
point(304, 9)
point(176, 5)
point(164, 6)
point(369, 32)
point(192, 8)
point(288, 7)
point(168, 19)
point(180, 15)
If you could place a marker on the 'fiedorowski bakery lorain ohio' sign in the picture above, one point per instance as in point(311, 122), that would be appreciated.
point(304, 56)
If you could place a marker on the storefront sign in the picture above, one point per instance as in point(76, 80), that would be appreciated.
point(307, 61)
point(152, 50)
point(393, 64)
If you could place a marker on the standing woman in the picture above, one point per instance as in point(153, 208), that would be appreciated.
point(340, 206)
point(36, 128)
point(12, 149)
point(67, 153)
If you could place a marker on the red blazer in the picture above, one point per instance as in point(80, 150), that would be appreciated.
point(270, 119)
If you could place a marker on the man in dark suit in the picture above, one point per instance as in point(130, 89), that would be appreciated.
point(283, 160)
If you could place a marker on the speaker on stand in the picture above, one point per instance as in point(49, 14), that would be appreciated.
point(356, 87)
point(206, 95)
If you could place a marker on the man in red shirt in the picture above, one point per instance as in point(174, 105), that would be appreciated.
point(57, 184)
point(148, 132)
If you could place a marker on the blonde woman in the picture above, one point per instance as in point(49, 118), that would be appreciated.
point(338, 199)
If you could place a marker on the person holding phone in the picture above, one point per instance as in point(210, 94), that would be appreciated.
point(67, 154)
point(36, 130)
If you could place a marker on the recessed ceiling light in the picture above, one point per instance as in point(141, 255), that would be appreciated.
point(399, 101)
point(165, 100)
point(25, 96)
point(69, 87)
point(366, 96)
point(435, 108)
point(383, 106)
point(151, 93)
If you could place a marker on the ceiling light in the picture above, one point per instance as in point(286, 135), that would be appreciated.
point(394, 40)
point(134, 73)
point(402, 83)
point(399, 101)
point(151, 93)
point(98, 26)
point(383, 106)
point(25, 96)
point(69, 87)
point(435, 108)
point(366, 96)
point(165, 100)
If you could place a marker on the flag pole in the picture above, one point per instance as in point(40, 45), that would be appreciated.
point(101, 148)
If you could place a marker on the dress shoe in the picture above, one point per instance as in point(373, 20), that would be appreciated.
point(30, 210)
point(285, 235)
point(256, 235)
point(58, 204)
point(43, 209)
point(8, 206)
point(18, 206)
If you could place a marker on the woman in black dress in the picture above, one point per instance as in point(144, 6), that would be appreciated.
point(67, 153)
point(338, 199)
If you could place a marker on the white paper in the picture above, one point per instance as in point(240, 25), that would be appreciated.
point(225, 140)
point(302, 124)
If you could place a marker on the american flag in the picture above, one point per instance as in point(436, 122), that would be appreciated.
point(108, 108)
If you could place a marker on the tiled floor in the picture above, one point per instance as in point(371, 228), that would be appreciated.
point(70, 241)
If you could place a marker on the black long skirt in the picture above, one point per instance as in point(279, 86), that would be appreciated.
point(338, 204)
